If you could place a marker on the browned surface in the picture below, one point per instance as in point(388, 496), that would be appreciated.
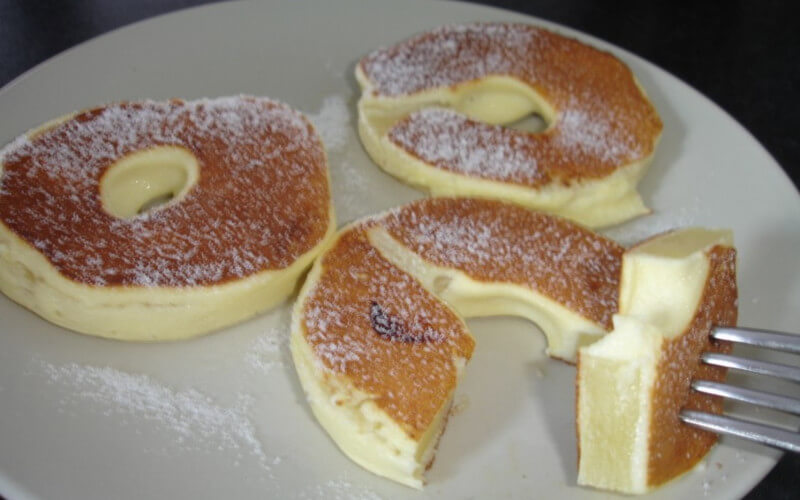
point(367, 320)
point(410, 379)
point(261, 201)
point(498, 242)
point(603, 119)
point(674, 446)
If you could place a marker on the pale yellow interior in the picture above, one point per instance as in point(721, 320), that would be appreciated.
point(662, 284)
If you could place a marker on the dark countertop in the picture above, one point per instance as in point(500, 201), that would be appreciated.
point(737, 53)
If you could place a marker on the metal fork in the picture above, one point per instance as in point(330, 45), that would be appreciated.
point(761, 433)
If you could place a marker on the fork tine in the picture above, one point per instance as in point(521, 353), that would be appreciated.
point(762, 338)
point(765, 434)
point(751, 365)
point(773, 436)
point(761, 398)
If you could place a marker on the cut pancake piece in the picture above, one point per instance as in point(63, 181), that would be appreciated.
point(378, 337)
point(378, 356)
point(633, 383)
point(488, 258)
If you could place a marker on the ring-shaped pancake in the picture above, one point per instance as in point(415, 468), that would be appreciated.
point(431, 106)
point(251, 208)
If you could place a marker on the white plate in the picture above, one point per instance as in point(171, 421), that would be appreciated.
point(223, 416)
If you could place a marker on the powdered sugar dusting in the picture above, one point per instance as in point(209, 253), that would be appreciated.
point(261, 199)
point(194, 417)
point(450, 141)
point(332, 122)
point(341, 489)
point(449, 55)
point(413, 379)
point(375, 324)
point(338, 489)
point(591, 134)
point(582, 144)
point(603, 121)
point(265, 352)
point(351, 186)
point(497, 242)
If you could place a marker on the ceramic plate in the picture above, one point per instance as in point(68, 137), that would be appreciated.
point(223, 416)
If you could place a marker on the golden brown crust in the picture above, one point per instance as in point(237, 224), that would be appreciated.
point(374, 324)
point(261, 200)
point(674, 446)
point(603, 119)
point(370, 322)
point(497, 242)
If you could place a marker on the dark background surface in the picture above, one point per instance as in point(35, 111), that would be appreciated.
point(740, 54)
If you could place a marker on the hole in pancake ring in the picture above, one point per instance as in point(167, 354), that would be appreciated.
point(532, 123)
point(148, 180)
point(156, 202)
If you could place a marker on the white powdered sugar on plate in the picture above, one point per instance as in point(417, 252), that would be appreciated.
point(332, 122)
point(193, 416)
point(339, 489)
point(351, 185)
point(265, 352)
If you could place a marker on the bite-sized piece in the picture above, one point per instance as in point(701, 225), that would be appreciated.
point(378, 356)
point(433, 106)
point(633, 383)
point(162, 220)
